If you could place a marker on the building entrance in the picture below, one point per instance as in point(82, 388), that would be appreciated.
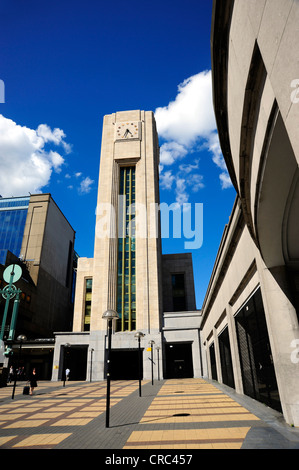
point(75, 359)
point(179, 363)
point(124, 364)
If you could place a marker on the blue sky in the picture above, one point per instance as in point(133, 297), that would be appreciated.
point(65, 64)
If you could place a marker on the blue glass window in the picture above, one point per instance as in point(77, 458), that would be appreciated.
point(13, 214)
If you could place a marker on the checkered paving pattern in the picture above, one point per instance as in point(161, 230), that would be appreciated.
point(197, 404)
point(171, 414)
point(64, 407)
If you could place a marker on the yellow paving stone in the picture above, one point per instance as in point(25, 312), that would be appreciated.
point(85, 414)
point(185, 435)
point(11, 416)
point(42, 439)
point(72, 422)
point(29, 423)
point(46, 415)
point(94, 407)
point(26, 409)
point(17, 410)
point(5, 439)
point(65, 408)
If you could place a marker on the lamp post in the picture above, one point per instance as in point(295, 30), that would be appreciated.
point(139, 335)
point(91, 351)
point(20, 338)
point(158, 350)
point(152, 360)
point(67, 345)
point(109, 315)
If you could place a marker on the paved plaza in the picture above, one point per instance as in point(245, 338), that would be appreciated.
point(172, 414)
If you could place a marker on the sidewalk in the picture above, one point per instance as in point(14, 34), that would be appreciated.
point(171, 414)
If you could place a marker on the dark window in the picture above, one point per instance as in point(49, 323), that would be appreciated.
point(178, 292)
point(213, 361)
point(226, 359)
point(257, 367)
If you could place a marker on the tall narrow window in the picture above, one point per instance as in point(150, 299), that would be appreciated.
point(87, 306)
point(178, 292)
point(126, 280)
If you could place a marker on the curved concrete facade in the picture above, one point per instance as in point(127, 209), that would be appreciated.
point(255, 78)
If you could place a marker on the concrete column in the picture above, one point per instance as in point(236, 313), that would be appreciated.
point(283, 332)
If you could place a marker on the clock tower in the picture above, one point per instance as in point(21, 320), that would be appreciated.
point(125, 272)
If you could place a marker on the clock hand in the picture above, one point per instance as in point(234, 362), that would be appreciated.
point(127, 132)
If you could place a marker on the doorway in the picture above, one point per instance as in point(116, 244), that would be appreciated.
point(179, 363)
point(124, 364)
point(75, 359)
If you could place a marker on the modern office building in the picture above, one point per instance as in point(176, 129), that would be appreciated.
point(36, 235)
point(13, 214)
point(126, 272)
point(250, 313)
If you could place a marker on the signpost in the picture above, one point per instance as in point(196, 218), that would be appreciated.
point(11, 274)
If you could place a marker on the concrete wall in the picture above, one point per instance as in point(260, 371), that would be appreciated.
point(255, 67)
point(173, 264)
point(47, 249)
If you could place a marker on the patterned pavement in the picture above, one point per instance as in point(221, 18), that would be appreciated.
point(171, 414)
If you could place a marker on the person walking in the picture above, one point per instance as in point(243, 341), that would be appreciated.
point(10, 375)
point(33, 381)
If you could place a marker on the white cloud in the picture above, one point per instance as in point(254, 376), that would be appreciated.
point(56, 160)
point(85, 185)
point(26, 166)
point(188, 124)
point(185, 179)
point(191, 115)
point(166, 180)
point(171, 151)
point(225, 180)
point(56, 136)
point(214, 147)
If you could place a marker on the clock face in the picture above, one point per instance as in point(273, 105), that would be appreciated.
point(127, 130)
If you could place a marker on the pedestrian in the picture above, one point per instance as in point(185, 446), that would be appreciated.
point(33, 381)
point(22, 373)
point(67, 374)
point(10, 374)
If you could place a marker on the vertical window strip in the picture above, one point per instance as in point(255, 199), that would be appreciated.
point(87, 303)
point(126, 262)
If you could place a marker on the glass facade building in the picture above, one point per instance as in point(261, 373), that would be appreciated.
point(126, 278)
point(13, 213)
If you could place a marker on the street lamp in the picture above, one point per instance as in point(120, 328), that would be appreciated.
point(152, 360)
point(139, 335)
point(91, 351)
point(67, 345)
point(158, 350)
point(20, 338)
point(109, 315)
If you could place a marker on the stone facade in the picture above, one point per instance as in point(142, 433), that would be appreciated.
point(129, 139)
point(255, 65)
